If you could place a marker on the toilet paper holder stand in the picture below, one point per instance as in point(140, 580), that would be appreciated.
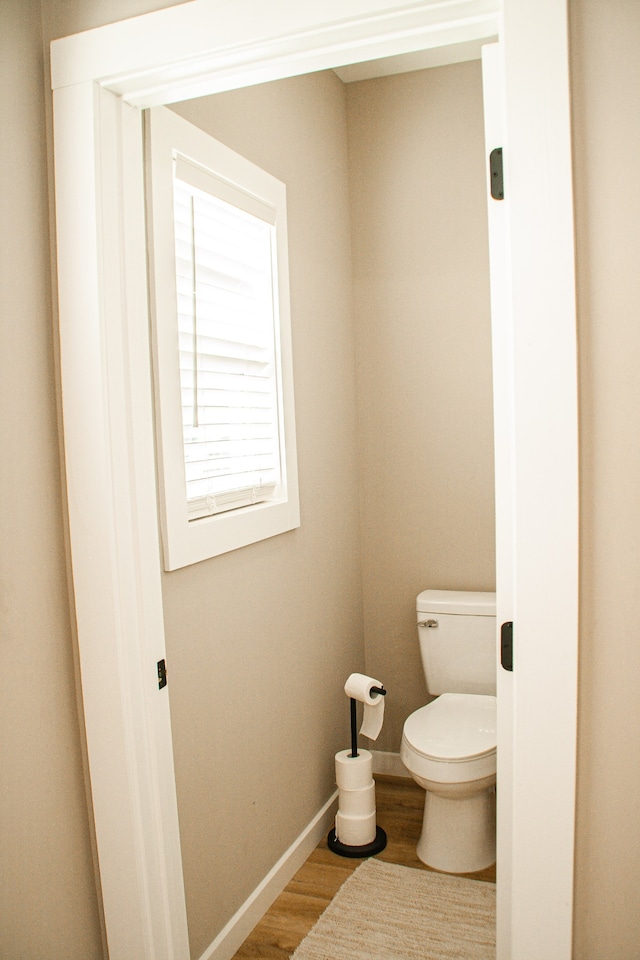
point(354, 723)
point(378, 844)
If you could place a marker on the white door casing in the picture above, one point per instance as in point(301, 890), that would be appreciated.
point(102, 79)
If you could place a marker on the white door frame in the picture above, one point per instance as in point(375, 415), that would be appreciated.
point(101, 80)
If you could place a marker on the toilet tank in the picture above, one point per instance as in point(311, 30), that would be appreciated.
point(458, 646)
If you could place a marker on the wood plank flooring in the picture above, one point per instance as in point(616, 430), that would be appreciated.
point(399, 803)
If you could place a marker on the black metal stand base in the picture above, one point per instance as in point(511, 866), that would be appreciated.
point(368, 850)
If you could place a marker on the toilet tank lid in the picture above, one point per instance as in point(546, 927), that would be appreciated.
point(456, 601)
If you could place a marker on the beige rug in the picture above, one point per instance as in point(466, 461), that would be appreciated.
point(387, 912)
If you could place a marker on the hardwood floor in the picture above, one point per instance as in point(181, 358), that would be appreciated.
point(399, 803)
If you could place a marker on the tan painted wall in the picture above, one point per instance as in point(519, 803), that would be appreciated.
point(48, 904)
point(605, 60)
point(421, 309)
point(262, 639)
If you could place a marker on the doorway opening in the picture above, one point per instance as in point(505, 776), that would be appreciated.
point(389, 268)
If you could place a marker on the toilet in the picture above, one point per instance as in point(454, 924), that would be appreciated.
point(449, 745)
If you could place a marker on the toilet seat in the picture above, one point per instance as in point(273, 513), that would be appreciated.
point(453, 739)
point(455, 727)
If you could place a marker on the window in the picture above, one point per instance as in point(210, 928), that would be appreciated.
point(226, 312)
point(222, 344)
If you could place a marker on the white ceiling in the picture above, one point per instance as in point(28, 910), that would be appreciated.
point(435, 57)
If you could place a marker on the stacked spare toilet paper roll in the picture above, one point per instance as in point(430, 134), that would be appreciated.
point(356, 816)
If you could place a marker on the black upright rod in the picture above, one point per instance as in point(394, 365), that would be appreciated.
point(354, 733)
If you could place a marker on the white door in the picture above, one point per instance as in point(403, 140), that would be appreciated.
point(535, 417)
point(503, 413)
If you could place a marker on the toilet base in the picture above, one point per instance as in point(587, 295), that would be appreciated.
point(459, 833)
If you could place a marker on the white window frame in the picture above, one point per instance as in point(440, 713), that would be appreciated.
point(170, 138)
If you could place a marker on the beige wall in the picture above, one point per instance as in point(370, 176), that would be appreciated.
point(48, 904)
point(605, 61)
point(49, 907)
point(61, 18)
point(421, 310)
point(262, 639)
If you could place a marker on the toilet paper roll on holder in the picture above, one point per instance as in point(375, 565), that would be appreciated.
point(354, 723)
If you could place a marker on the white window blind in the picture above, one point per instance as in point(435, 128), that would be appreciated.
point(227, 307)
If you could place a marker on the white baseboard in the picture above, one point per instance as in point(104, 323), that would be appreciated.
point(389, 764)
point(253, 909)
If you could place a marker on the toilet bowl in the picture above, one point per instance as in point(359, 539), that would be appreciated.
point(449, 745)
point(449, 748)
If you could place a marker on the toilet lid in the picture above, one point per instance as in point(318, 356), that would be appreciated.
point(455, 726)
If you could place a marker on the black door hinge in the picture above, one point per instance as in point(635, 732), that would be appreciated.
point(162, 674)
point(496, 174)
point(506, 645)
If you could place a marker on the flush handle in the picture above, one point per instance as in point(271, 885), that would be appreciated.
point(428, 623)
